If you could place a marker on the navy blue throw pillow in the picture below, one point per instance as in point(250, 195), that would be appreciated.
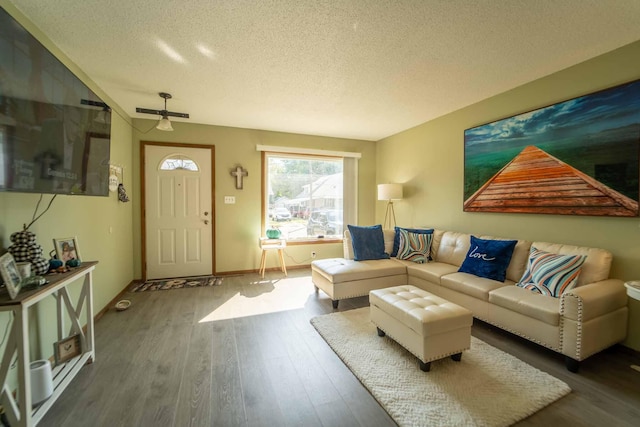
point(488, 258)
point(368, 242)
point(396, 238)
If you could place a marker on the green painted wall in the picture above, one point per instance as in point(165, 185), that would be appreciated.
point(428, 160)
point(238, 225)
point(103, 225)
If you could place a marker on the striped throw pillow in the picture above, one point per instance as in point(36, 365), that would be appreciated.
point(414, 247)
point(551, 274)
point(396, 237)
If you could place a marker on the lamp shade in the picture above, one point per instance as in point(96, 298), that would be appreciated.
point(389, 192)
point(164, 124)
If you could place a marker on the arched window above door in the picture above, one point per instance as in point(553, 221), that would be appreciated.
point(178, 162)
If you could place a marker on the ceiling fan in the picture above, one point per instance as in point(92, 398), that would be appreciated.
point(164, 123)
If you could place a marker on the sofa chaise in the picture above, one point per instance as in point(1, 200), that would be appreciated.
point(579, 323)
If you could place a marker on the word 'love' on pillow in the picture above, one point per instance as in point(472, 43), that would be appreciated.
point(396, 238)
point(551, 274)
point(488, 258)
point(414, 247)
point(367, 242)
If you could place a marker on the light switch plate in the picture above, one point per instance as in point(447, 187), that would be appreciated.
point(229, 200)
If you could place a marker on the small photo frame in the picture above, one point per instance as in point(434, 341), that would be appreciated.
point(10, 274)
point(67, 249)
point(115, 176)
point(67, 349)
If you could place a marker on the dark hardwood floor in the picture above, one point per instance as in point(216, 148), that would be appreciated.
point(245, 354)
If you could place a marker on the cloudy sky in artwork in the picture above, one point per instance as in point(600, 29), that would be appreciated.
point(614, 108)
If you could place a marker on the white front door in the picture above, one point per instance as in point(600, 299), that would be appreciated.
point(178, 217)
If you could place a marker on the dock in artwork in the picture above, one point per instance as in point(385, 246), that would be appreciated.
point(536, 182)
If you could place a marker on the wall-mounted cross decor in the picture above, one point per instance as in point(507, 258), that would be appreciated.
point(239, 173)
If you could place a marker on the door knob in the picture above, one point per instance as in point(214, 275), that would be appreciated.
point(206, 213)
point(206, 222)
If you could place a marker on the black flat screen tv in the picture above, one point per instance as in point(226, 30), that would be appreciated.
point(55, 132)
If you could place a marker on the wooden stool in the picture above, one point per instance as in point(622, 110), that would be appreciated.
point(267, 244)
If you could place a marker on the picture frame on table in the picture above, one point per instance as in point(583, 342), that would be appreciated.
point(67, 249)
point(10, 274)
point(67, 349)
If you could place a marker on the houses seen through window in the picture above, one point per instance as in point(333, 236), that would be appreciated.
point(304, 195)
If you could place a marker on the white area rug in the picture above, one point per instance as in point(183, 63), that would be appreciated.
point(488, 387)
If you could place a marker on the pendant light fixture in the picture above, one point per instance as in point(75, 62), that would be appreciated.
point(103, 117)
point(164, 123)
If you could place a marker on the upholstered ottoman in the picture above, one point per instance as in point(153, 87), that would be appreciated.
point(428, 326)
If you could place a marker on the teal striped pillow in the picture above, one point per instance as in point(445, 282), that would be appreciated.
point(551, 274)
point(414, 247)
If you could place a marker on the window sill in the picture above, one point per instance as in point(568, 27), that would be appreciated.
point(313, 241)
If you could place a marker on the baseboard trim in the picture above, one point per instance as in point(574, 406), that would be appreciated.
point(241, 272)
point(234, 273)
point(113, 301)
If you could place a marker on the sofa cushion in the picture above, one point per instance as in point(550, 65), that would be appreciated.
point(431, 272)
point(368, 242)
point(488, 258)
point(437, 237)
point(469, 284)
point(414, 247)
point(396, 239)
point(451, 247)
point(595, 268)
point(551, 274)
point(537, 306)
point(338, 270)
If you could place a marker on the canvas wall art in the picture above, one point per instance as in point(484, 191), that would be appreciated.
point(577, 157)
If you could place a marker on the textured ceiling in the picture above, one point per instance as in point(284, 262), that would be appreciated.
point(361, 69)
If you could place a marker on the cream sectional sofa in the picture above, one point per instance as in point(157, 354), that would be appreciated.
point(583, 321)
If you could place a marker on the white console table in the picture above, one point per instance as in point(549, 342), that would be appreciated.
point(19, 409)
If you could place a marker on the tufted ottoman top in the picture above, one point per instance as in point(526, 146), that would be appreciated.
point(425, 313)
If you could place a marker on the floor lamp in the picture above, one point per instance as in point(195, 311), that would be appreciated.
point(389, 192)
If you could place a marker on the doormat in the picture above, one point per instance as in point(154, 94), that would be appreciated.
point(177, 283)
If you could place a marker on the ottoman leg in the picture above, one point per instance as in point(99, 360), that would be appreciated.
point(457, 357)
point(334, 303)
point(425, 367)
point(316, 288)
point(380, 332)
